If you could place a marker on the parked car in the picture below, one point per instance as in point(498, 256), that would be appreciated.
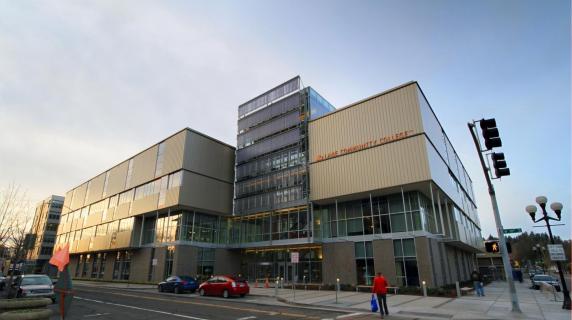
point(225, 286)
point(179, 284)
point(34, 285)
point(538, 279)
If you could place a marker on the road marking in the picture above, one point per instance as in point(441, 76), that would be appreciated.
point(96, 315)
point(349, 315)
point(244, 318)
point(293, 315)
point(142, 309)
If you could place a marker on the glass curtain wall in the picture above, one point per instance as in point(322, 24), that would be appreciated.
point(272, 263)
point(406, 270)
point(364, 262)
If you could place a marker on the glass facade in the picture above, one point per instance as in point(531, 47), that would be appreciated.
point(276, 262)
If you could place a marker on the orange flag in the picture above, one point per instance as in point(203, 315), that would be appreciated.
point(61, 257)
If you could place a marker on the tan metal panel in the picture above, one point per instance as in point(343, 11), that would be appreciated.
point(393, 164)
point(377, 119)
point(93, 219)
point(205, 193)
point(208, 157)
point(123, 239)
point(102, 242)
point(174, 152)
point(172, 197)
point(117, 177)
point(95, 189)
point(144, 166)
point(122, 211)
point(67, 202)
point(79, 196)
point(144, 205)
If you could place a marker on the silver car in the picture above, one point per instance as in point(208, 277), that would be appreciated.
point(538, 279)
point(34, 286)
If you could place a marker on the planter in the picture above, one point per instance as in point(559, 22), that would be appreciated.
point(27, 314)
point(24, 303)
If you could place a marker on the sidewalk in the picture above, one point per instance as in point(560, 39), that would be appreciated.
point(496, 303)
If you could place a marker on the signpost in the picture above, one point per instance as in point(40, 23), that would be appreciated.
point(517, 230)
point(294, 257)
point(556, 252)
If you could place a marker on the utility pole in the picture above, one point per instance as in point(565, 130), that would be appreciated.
point(492, 140)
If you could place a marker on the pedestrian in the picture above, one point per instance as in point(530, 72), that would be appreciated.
point(380, 289)
point(478, 283)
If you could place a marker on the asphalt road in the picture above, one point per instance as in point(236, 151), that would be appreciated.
point(107, 303)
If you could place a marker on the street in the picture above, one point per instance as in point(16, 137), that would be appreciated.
point(125, 304)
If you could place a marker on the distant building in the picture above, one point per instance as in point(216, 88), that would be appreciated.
point(42, 234)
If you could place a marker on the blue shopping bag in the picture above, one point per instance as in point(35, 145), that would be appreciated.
point(373, 303)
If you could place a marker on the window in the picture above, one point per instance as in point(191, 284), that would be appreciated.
point(129, 174)
point(169, 257)
point(160, 159)
point(105, 184)
point(364, 262)
point(126, 197)
point(407, 273)
point(126, 224)
point(175, 179)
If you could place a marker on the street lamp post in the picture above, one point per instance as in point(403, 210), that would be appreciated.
point(557, 208)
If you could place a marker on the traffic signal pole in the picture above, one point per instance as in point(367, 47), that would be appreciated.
point(502, 240)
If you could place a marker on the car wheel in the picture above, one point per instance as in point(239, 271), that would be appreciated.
point(160, 288)
point(178, 290)
point(53, 300)
point(193, 291)
point(202, 292)
point(225, 294)
point(242, 295)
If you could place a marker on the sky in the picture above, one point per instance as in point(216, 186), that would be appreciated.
point(85, 85)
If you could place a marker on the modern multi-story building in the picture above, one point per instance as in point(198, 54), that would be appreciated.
point(319, 194)
point(43, 233)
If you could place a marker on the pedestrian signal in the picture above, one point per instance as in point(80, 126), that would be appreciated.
point(494, 247)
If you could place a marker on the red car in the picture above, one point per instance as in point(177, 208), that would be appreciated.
point(225, 286)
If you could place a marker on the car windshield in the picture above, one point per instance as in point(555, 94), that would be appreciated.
point(32, 281)
point(187, 278)
point(543, 278)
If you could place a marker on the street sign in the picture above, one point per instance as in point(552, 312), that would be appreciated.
point(294, 257)
point(556, 252)
point(517, 230)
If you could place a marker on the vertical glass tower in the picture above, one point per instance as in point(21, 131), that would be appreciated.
point(271, 187)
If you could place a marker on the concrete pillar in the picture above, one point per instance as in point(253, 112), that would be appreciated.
point(384, 259)
point(140, 263)
point(160, 255)
point(109, 262)
point(424, 261)
point(185, 260)
point(227, 261)
point(339, 262)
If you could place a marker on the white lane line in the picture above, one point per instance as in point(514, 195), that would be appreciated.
point(349, 315)
point(96, 315)
point(244, 318)
point(142, 309)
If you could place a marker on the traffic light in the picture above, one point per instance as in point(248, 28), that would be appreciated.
point(499, 163)
point(494, 247)
point(490, 133)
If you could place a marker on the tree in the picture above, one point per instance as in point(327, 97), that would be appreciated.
point(15, 216)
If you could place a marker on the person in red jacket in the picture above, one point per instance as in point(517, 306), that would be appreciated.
point(380, 289)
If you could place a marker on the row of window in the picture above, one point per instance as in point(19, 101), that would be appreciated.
point(159, 161)
point(271, 200)
point(267, 129)
point(157, 186)
point(104, 229)
point(276, 161)
point(278, 180)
